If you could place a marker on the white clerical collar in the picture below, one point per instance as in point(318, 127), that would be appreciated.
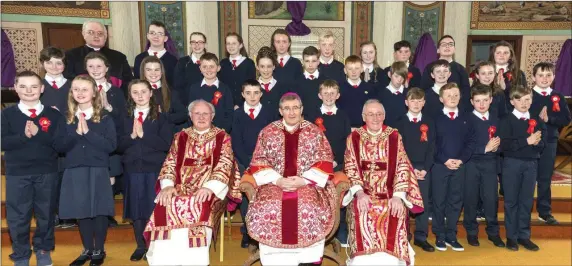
point(394, 90)
point(284, 58)
point(480, 116)
point(323, 61)
point(159, 53)
point(215, 83)
point(539, 90)
point(26, 109)
point(289, 128)
point(238, 59)
point(272, 83)
point(446, 111)
point(436, 88)
point(324, 109)
point(88, 112)
point(194, 58)
point(94, 48)
point(367, 67)
point(503, 67)
point(105, 86)
point(375, 133)
point(315, 75)
point(351, 83)
point(145, 111)
point(157, 84)
point(60, 80)
point(256, 108)
point(411, 116)
point(202, 131)
point(520, 115)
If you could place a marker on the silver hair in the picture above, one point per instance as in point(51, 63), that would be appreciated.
point(195, 102)
point(372, 101)
point(84, 26)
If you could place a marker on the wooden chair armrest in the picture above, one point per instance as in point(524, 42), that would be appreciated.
point(342, 183)
point(248, 186)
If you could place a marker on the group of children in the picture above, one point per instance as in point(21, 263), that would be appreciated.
point(84, 133)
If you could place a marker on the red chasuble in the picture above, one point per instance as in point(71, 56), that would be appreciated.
point(292, 219)
point(381, 167)
point(192, 161)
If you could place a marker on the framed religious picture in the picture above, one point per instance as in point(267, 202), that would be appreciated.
point(86, 9)
point(421, 19)
point(315, 10)
point(521, 15)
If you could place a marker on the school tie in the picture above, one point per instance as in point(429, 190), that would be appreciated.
point(326, 64)
point(415, 120)
point(311, 77)
point(155, 54)
point(33, 111)
point(397, 93)
point(484, 118)
point(330, 113)
point(523, 118)
point(198, 62)
point(83, 114)
point(251, 110)
point(100, 87)
point(233, 63)
point(355, 86)
point(452, 115)
point(54, 85)
point(282, 62)
point(140, 118)
point(154, 86)
point(544, 93)
point(266, 87)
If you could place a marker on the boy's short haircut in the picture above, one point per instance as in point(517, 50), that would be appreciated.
point(415, 93)
point(310, 51)
point(325, 35)
point(209, 57)
point(448, 86)
point(27, 73)
point(543, 66)
point(352, 59)
point(519, 91)
point(251, 82)
point(400, 44)
point(399, 68)
point(158, 24)
point(440, 62)
point(329, 84)
point(47, 53)
point(481, 89)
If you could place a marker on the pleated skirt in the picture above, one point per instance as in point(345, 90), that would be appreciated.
point(139, 195)
point(85, 193)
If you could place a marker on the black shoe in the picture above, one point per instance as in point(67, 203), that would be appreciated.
point(473, 241)
point(138, 254)
point(526, 243)
point(82, 259)
point(440, 245)
point(424, 245)
point(245, 241)
point(511, 244)
point(97, 258)
point(497, 241)
point(548, 219)
point(112, 222)
point(455, 245)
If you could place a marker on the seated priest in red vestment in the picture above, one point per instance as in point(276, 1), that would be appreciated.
point(382, 189)
point(293, 209)
point(194, 182)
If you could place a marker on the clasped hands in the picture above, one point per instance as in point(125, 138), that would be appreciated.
point(167, 193)
point(31, 129)
point(82, 128)
point(291, 183)
point(137, 129)
point(396, 206)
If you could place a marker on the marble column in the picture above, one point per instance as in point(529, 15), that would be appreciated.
point(387, 29)
point(124, 33)
point(457, 16)
point(203, 17)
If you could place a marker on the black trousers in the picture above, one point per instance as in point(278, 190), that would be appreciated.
point(519, 176)
point(447, 194)
point(422, 219)
point(544, 179)
point(24, 195)
point(481, 184)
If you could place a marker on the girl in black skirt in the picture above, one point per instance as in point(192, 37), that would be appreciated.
point(145, 140)
point(86, 193)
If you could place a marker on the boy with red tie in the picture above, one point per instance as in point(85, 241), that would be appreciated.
point(552, 109)
point(393, 95)
point(31, 133)
point(329, 66)
point(402, 53)
point(56, 87)
point(308, 83)
point(353, 92)
point(523, 137)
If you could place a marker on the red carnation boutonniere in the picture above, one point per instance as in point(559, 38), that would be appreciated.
point(217, 96)
point(555, 107)
point(320, 123)
point(472, 76)
point(509, 76)
point(45, 123)
point(409, 76)
point(424, 128)
point(531, 125)
point(492, 131)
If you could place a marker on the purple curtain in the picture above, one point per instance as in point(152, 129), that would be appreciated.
point(8, 64)
point(297, 27)
point(563, 80)
point(169, 45)
point(425, 53)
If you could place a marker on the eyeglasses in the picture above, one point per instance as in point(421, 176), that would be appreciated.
point(293, 109)
point(447, 44)
point(197, 42)
point(160, 34)
point(97, 34)
point(201, 114)
point(376, 115)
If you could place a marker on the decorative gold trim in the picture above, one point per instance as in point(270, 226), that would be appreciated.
point(514, 25)
point(58, 11)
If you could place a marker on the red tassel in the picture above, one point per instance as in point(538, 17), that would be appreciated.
point(555, 106)
point(424, 128)
point(320, 123)
point(531, 125)
point(492, 131)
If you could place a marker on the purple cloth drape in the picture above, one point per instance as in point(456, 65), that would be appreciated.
point(297, 27)
point(169, 45)
point(8, 63)
point(563, 80)
point(425, 53)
